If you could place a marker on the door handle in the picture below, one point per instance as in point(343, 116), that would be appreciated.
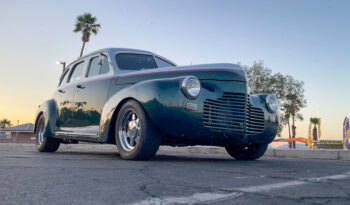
point(61, 91)
point(80, 86)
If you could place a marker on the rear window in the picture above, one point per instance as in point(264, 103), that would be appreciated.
point(130, 61)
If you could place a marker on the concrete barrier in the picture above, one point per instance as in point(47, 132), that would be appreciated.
point(344, 155)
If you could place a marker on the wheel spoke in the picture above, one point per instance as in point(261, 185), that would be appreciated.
point(137, 123)
point(137, 139)
point(132, 142)
point(40, 135)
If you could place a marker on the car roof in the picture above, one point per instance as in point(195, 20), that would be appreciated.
point(115, 50)
point(112, 51)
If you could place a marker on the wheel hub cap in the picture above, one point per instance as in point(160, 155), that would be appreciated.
point(129, 131)
point(132, 129)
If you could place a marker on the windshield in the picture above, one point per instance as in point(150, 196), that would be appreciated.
point(131, 61)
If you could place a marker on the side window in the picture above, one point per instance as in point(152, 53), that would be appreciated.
point(76, 73)
point(105, 66)
point(96, 69)
point(64, 79)
point(162, 63)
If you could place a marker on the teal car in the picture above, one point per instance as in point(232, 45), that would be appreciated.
point(139, 100)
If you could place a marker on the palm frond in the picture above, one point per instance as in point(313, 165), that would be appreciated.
point(86, 24)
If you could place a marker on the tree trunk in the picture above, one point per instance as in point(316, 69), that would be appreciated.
point(293, 131)
point(82, 49)
point(289, 143)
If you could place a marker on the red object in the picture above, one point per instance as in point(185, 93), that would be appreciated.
point(298, 139)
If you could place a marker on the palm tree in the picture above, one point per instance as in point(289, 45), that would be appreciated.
point(86, 23)
point(5, 123)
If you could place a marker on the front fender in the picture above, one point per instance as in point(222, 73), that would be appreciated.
point(50, 112)
point(271, 121)
point(153, 95)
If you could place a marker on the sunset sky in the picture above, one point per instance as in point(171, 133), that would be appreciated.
point(309, 40)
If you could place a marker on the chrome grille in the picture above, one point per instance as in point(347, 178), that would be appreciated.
point(226, 113)
point(255, 120)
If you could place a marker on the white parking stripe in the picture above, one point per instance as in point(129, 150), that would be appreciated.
point(236, 192)
point(338, 176)
point(193, 199)
point(268, 187)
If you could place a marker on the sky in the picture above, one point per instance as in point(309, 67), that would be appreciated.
point(309, 40)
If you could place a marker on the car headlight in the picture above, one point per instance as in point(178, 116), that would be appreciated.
point(191, 87)
point(271, 103)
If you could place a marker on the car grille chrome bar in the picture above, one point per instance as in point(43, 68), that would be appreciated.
point(255, 120)
point(234, 113)
point(226, 113)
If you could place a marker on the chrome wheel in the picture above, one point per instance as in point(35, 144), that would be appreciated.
point(40, 135)
point(129, 130)
point(135, 135)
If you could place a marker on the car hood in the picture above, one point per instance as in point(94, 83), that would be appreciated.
point(227, 72)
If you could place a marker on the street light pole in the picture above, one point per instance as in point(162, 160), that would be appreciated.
point(63, 63)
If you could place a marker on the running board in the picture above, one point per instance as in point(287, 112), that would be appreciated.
point(76, 134)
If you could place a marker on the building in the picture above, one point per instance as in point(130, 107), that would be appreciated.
point(18, 134)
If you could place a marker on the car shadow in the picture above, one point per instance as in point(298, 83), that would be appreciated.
point(162, 157)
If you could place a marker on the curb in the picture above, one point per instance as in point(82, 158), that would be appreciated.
point(278, 153)
point(309, 154)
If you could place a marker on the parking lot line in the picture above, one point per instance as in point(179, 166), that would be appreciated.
point(210, 197)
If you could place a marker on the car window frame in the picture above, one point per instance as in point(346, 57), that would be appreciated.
point(121, 71)
point(111, 69)
point(82, 61)
point(63, 75)
point(155, 58)
point(127, 52)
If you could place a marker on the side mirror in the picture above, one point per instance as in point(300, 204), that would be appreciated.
point(101, 59)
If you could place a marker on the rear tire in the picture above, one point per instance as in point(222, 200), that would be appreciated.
point(247, 152)
point(136, 136)
point(43, 143)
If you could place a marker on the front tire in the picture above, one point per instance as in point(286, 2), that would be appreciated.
point(43, 143)
point(247, 152)
point(136, 136)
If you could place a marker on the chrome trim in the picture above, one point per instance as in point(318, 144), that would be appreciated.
point(76, 134)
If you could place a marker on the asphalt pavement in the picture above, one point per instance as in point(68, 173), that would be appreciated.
point(95, 174)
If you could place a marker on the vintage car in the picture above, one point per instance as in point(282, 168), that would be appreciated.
point(139, 100)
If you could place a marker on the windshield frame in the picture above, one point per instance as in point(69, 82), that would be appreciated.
point(121, 71)
point(134, 53)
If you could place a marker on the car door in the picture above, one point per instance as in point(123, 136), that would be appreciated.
point(92, 94)
point(65, 96)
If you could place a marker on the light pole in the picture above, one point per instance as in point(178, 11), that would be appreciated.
point(63, 63)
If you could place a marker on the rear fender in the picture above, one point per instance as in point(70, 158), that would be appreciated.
point(50, 112)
